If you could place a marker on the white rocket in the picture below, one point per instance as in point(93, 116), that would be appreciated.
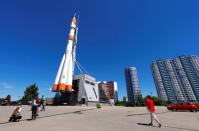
point(64, 77)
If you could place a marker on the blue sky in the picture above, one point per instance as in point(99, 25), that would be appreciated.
point(113, 34)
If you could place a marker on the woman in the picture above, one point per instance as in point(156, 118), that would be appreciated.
point(151, 109)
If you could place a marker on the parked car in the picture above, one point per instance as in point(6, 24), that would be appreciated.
point(183, 106)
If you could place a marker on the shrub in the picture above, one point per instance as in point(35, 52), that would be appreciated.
point(121, 103)
point(197, 104)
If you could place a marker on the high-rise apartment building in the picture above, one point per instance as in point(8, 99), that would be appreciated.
point(177, 79)
point(132, 84)
point(107, 91)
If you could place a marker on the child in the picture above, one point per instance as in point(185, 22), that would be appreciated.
point(16, 116)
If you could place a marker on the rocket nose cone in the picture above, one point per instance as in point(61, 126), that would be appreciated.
point(74, 20)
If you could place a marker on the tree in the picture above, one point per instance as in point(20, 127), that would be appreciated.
point(121, 103)
point(30, 94)
point(140, 101)
point(157, 101)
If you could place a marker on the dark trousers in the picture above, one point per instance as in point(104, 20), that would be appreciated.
point(43, 108)
point(34, 114)
point(14, 118)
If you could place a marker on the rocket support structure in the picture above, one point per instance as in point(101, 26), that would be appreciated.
point(64, 77)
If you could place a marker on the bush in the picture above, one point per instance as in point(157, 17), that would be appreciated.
point(197, 104)
point(121, 103)
point(142, 102)
point(158, 101)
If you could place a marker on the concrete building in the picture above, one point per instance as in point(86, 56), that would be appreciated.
point(88, 88)
point(104, 92)
point(177, 79)
point(112, 85)
point(132, 84)
point(107, 91)
point(84, 91)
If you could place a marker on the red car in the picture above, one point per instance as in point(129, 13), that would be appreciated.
point(183, 106)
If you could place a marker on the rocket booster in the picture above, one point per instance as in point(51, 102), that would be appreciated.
point(64, 77)
point(58, 74)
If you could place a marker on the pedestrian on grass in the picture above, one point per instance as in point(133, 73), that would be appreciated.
point(151, 109)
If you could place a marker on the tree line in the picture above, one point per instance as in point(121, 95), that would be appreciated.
point(142, 102)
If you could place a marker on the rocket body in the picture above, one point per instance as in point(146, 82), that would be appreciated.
point(64, 77)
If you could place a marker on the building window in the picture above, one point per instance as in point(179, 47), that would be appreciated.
point(92, 83)
point(87, 82)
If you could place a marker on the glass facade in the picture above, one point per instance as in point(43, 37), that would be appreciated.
point(132, 84)
point(177, 79)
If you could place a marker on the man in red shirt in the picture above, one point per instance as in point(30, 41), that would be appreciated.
point(151, 109)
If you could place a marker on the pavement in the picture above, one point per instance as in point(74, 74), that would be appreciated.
point(76, 118)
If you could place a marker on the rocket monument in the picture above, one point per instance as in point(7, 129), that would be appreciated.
point(64, 77)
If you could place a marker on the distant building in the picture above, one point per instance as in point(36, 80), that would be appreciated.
point(125, 98)
point(104, 94)
point(107, 91)
point(113, 90)
point(85, 91)
point(88, 89)
point(177, 79)
point(132, 84)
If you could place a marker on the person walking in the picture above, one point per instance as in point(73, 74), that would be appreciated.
point(151, 109)
point(43, 105)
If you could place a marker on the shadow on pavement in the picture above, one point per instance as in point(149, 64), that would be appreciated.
point(4, 123)
point(76, 112)
point(143, 124)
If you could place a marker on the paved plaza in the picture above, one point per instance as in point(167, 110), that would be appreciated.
point(81, 118)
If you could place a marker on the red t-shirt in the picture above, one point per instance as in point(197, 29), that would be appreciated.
point(150, 105)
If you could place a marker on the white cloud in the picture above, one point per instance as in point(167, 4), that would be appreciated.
point(5, 85)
